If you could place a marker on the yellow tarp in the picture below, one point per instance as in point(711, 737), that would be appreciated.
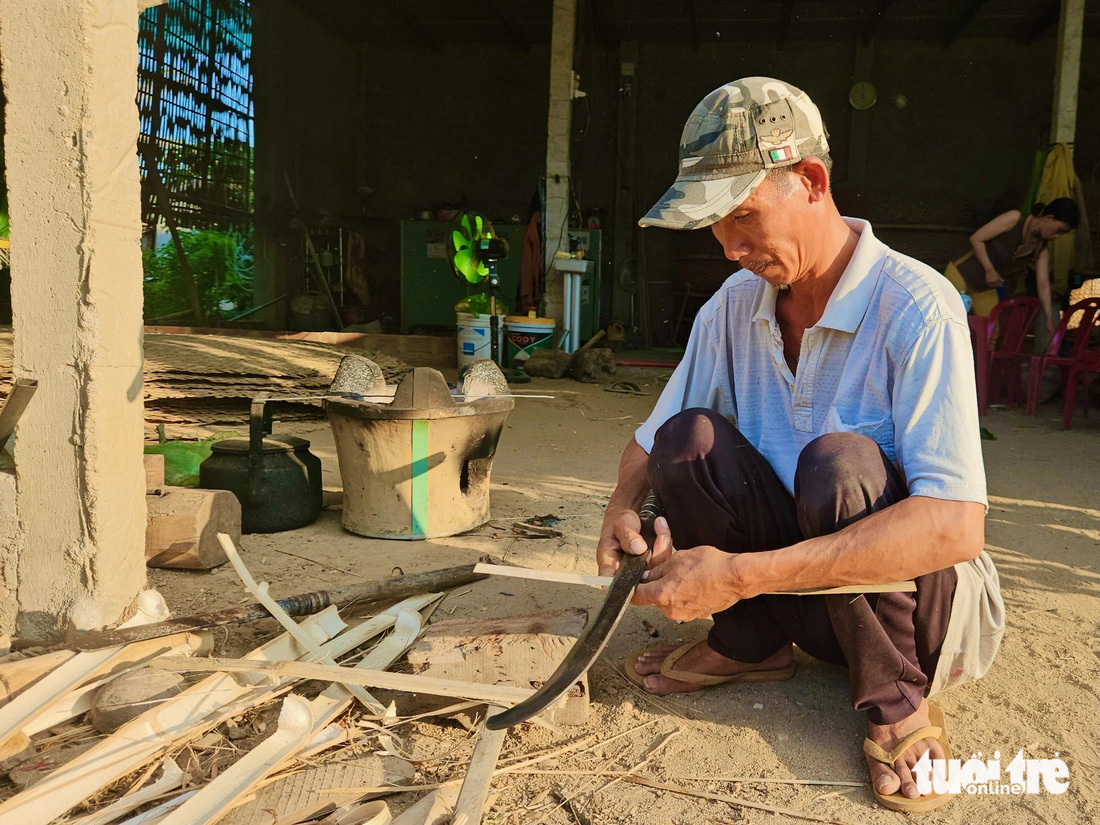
point(1059, 181)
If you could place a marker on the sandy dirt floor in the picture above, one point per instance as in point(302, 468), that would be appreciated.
point(559, 457)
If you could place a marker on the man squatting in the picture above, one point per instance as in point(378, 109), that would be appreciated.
point(821, 430)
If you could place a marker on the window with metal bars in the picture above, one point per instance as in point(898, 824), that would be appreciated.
point(195, 100)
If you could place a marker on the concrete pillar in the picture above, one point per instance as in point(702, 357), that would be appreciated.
point(1067, 71)
point(559, 124)
point(70, 78)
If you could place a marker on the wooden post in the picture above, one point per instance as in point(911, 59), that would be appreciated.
point(559, 122)
point(1067, 71)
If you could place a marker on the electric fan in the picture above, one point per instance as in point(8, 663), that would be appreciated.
point(474, 251)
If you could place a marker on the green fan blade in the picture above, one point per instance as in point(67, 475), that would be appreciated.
point(466, 225)
point(470, 269)
point(480, 226)
point(459, 240)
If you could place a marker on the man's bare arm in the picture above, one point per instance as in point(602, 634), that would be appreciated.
point(621, 523)
point(916, 536)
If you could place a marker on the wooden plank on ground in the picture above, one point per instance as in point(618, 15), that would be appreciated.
point(310, 793)
point(520, 651)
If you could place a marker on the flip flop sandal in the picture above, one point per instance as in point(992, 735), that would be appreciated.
point(898, 801)
point(668, 669)
point(626, 387)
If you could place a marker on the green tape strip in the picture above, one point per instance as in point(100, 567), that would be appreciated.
point(420, 476)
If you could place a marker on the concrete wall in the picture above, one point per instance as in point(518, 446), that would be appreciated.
point(976, 113)
point(307, 93)
point(464, 127)
point(418, 129)
point(467, 125)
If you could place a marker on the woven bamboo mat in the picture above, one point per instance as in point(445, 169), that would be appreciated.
point(196, 383)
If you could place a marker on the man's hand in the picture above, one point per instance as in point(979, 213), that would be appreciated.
point(621, 533)
point(993, 278)
point(690, 584)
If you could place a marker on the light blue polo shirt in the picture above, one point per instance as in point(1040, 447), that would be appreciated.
point(890, 358)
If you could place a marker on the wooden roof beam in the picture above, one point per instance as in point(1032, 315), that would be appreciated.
point(963, 19)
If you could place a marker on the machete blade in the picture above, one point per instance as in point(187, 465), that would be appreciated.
point(587, 649)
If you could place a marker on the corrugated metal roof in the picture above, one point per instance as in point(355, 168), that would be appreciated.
point(435, 23)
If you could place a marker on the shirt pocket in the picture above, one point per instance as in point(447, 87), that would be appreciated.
point(879, 427)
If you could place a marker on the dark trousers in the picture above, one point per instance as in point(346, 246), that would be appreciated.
point(716, 489)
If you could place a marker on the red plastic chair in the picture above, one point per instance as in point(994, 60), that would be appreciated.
point(1088, 361)
point(1010, 322)
point(1089, 309)
point(979, 340)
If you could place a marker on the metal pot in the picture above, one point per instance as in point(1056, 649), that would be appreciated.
point(276, 479)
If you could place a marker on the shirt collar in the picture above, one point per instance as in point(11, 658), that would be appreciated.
point(852, 294)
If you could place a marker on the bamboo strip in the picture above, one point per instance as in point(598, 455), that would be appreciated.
point(605, 581)
point(497, 694)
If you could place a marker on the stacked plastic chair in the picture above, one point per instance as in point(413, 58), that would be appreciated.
point(1010, 321)
point(1080, 357)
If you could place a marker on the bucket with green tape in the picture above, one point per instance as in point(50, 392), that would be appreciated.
point(525, 334)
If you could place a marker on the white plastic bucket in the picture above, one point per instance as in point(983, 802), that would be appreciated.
point(527, 334)
point(473, 337)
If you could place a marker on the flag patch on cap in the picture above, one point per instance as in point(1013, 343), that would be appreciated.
point(780, 154)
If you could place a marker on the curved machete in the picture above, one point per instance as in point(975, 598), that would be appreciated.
point(595, 636)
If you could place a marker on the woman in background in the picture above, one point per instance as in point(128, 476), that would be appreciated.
point(1006, 248)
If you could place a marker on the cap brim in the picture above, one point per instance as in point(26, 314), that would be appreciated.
point(691, 204)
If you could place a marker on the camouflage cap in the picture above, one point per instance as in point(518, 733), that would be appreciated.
point(734, 135)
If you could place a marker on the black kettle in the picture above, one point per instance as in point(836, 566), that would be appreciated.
point(276, 478)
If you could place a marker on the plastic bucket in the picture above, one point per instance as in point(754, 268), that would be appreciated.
point(527, 334)
point(473, 337)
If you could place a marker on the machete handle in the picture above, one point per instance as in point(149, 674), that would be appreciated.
point(648, 512)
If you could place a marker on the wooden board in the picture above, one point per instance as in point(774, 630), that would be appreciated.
point(310, 793)
point(520, 651)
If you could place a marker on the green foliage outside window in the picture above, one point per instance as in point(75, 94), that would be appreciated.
point(221, 263)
